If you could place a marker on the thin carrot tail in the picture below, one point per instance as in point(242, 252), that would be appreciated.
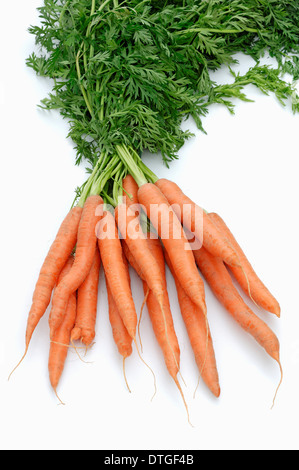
point(145, 363)
point(125, 376)
point(184, 399)
point(20, 361)
point(280, 382)
point(140, 317)
point(60, 401)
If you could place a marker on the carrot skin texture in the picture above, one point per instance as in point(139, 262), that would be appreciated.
point(130, 193)
point(196, 327)
point(87, 303)
point(120, 334)
point(165, 334)
point(85, 250)
point(115, 270)
point(206, 231)
point(175, 241)
point(57, 257)
point(131, 260)
point(61, 339)
point(258, 291)
point(130, 228)
point(220, 282)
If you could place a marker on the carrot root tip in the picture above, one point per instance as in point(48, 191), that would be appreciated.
point(19, 363)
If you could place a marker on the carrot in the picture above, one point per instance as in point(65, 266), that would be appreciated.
point(163, 325)
point(87, 303)
point(56, 258)
point(250, 283)
point(219, 280)
point(58, 255)
point(197, 331)
point(164, 330)
point(131, 231)
point(115, 271)
point(170, 230)
point(130, 190)
point(61, 339)
point(85, 250)
point(120, 334)
point(131, 260)
point(198, 222)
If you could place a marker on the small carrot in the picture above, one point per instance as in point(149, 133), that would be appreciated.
point(61, 339)
point(196, 326)
point(85, 250)
point(247, 277)
point(87, 303)
point(115, 271)
point(219, 280)
point(174, 240)
point(198, 222)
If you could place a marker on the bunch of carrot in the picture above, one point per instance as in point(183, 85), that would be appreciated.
point(144, 226)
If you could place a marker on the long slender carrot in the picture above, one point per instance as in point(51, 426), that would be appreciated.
point(120, 334)
point(56, 258)
point(87, 303)
point(115, 271)
point(164, 330)
point(136, 240)
point(219, 280)
point(162, 324)
point(176, 244)
point(116, 275)
point(85, 250)
point(198, 222)
point(61, 339)
point(196, 326)
point(58, 255)
point(247, 277)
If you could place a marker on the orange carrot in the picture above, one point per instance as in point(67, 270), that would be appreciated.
point(131, 260)
point(120, 334)
point(87, 303)
point(130, 193)
point(61, 339)
point(58, 255)
point(85, 250)
point(131, 230)
point(198, 222)
point(196, 326)
point(164, 330)
point(174, 240)
point(115, 271)
point(162, 321)
point(249, 282)
point(218, 278)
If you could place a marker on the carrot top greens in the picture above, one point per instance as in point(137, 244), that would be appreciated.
point(128, 73)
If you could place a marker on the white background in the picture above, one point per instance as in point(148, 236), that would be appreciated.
point(246, 169)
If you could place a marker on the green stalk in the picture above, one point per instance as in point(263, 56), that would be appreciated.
point(131, 165)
